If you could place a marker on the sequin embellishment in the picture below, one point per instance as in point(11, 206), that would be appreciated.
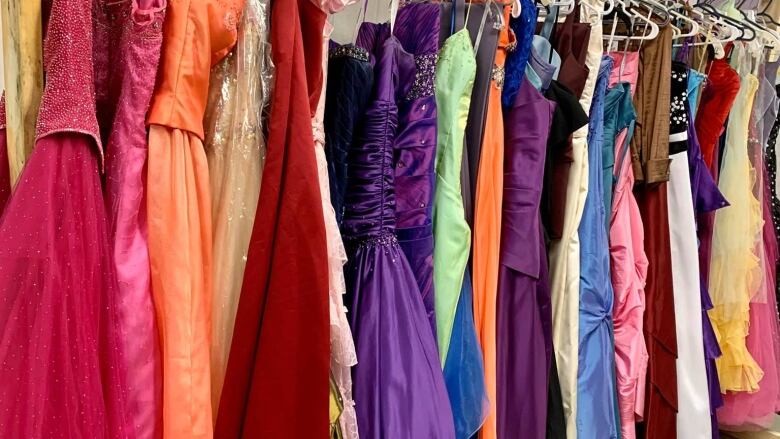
point(349, 50)
point(424, 77)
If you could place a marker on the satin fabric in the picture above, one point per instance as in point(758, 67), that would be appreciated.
point(417, 29)
point(693, 406)
point(649, 149)
point(627, 256)
point(523, 310)
point(693, 416)
point(178, 195)
point(239, 92)
point(391, 330)
point(487, 228)
point(195, 35)
point(346, 97)
point(454, 81)
point(462, 367)
point(659, 319)
point(650, 144)
point(127, 61)
point(706, 198)
point(716, 101)
point(595, 379)
point(477, 122)
point(570, 40)
point(282, 332)
point(564, 254)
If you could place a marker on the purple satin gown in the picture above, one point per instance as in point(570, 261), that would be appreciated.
point(399, 387)
point(524, 311)
point(417, 28)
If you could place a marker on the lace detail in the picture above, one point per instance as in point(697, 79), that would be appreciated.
point(232, 14)
point(523, 27)
point(424, 77)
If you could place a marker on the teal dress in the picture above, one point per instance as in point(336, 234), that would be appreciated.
point(455, 74)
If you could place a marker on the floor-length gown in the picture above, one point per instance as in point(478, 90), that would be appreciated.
point(128, 59)
point(596, 394)
point(342, 347)
point(398, 368)
point(487, 227)
point(652, 106)
point(756, 410)
point(693, 402)
point(417, 29)
point(61, 359)
point(564, 254)
point(734, 274)
point(195, 35)
point(239, 92)
point(524, 316)
point(628, 262)
point(454, 82)
point(455, 73)
point(706, 198)
point(281, 335)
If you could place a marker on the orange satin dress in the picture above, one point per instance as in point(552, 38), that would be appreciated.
point(487, 227)
point(197, 34)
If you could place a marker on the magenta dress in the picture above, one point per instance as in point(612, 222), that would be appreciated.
point(126, 67)
point(61, 364)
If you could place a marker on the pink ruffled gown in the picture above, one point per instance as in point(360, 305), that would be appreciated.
point(61, 364)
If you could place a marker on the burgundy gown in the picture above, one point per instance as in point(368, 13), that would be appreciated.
point(277, 385)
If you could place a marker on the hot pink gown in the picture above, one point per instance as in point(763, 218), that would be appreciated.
point(61, 364)
point(128, 37)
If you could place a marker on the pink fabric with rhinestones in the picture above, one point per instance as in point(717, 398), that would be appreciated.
point(61, 364)
point(127, 53)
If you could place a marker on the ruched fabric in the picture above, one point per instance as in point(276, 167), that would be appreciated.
point(398, 369)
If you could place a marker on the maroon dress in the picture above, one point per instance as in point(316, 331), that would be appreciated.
point(277, 379)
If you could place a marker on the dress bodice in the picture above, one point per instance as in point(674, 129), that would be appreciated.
point(417, 29)
point(197, 33)
point(370, 195)
point(527, 128)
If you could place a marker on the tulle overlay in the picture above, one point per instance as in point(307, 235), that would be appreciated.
point(60, 353)
point(734, 274)
point(240, 88)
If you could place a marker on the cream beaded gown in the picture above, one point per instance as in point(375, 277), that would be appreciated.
point(239, 91)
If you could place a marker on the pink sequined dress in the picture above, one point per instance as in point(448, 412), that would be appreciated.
point(128, 38)
point(61, 364)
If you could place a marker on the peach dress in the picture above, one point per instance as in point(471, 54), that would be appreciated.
point(487, 227)
point(197, 34)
